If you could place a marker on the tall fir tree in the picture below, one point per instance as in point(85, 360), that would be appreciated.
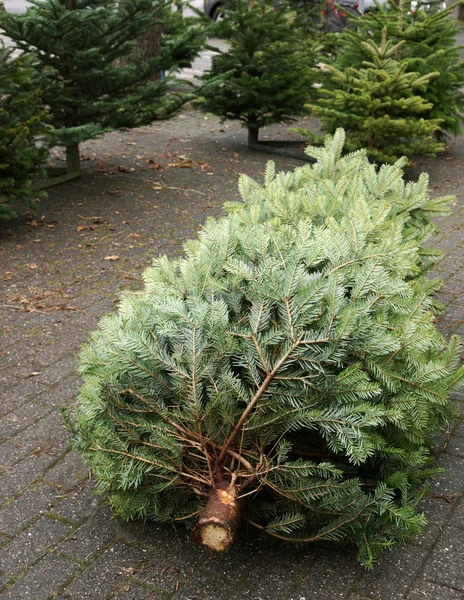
point(266, 74)
point(285, 372)
point(378, 104)
point(91, 78)
point(428, 35)
point(23, 132)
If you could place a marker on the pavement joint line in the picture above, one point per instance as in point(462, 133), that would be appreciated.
point(44, 391)
point(27, 426)
point(46, 552)
point(74, 576)
point(39, 477)
point(420, 574)
point(33, 521)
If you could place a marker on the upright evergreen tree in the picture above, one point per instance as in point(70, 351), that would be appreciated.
point(23, 128)
point(286, 372)
point(83, 47)
point(428, 36)
point(379, 105)
point(266, 74)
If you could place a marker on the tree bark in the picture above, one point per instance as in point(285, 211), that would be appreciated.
point(72, 158)
point(149, 46)
point(461, 12)
point(219, 519)
point(252, 135)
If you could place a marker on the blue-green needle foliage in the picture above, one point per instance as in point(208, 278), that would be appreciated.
point(291, 351)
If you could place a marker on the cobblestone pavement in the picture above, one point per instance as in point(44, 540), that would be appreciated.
point(143, 193)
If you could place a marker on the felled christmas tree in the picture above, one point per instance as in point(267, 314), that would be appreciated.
point(286, 372)
point(378, 105)
point(266, 74)
point(23, 128)
point(91, 78)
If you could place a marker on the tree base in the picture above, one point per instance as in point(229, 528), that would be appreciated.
point(219, 520)
point(290, 148)
point(55, 177)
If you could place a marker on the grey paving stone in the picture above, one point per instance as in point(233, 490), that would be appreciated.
point(149, 533)
point(128, 590)
point(225, 575)
point(436, 507)
point(456, 446)
point(326, 573)
point(96, 533)
point(68, 471)
point(249, 551)
point(210, 586)
point(62, 394)
point(20, 419)
point(4, 580)
point(457, 518)
point(428, 536)
point(460, 429)
point(451, 482)
point(29, 388)
point(171, 565)
point(41, 580)
point(103, 575)
point(79, 504)
point(25, 508)
point(16, 355)
point(30, 470)
point(393, 574)
point(264, 583)
point(31, 544)
point(425, 590)
point(445, 564)
point(59, 370)
point(11, 402)
point(42, 434)
point(57, 349)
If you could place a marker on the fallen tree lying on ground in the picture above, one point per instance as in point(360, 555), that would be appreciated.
point(286, 371)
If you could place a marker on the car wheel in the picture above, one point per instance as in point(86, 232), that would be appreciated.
point(217, 14)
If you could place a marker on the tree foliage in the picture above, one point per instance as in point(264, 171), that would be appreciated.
point(428, 37)
point(291, 353)
point(90, 76)
point(379, 104)
point(23, 127)
point(266, 74)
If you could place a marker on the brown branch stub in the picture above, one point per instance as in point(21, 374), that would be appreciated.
point(219, 519)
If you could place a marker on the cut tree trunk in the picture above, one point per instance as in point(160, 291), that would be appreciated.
point(219, 519)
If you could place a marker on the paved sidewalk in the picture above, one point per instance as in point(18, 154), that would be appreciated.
point(143, 193)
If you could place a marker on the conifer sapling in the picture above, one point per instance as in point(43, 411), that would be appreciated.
point(23, 132)
point(286, 372)
point(266, 74)
point(428, 35)
point(91, 77)
point(378, 103)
